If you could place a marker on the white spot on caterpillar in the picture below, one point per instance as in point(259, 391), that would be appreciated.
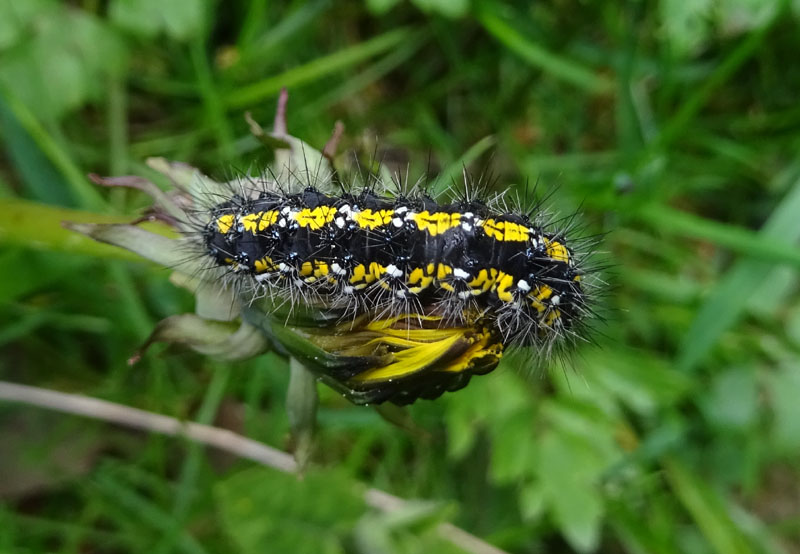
point(397, 222)
point(393, 271)
point(465, 294)
point(348, 289)
point(523, 285)
point(401, 293)
point(556, 300)
point(281, 222)
point(337, 269)
point(401, 210)
point(459, 273)
point(262, 277)
point(340, 222)
point(467, 227)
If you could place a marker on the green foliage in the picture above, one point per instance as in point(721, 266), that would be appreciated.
point(263, 508)
point(178, 19)
point(55, 84)
point(689, 26)
point(673, 127)
point(447, 8)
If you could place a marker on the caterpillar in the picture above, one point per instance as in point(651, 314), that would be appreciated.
point(391, 253)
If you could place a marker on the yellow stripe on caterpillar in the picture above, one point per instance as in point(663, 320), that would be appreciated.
point(259, 221)
point(265, 265)
point(372, 219)
point(502, 286)
point(316, 218)
point(225, 222)
point(507, 231)
point(556, 251)
point(436, 223)
point(552, 317)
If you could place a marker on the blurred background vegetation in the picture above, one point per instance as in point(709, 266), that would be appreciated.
point(675, 127)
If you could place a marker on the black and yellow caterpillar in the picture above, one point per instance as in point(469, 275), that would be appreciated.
point(367, 252)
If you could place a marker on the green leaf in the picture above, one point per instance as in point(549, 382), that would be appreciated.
point(154, 247)
point(316, 69)
point(448, 8)
point(142, 509)
point(513, 448)
point(413, 527)
point(738, 239)
point(644, 383)
point(733, 399)
point(468, 413)
point(265, 510)
point(567, 471)
point(302, 400)
point(686, 24)
point(727, 302)
point(707, 508)
point(531, 501)
point(41, 180)
point(539, 56)
point(50, 173)
point(462, 426)
point(16, 17)
point(380, 7)
point(39, 226)
point(739, 16)
point(54, 72)
point(222, 340)
point(784, 391)
point(178, 19)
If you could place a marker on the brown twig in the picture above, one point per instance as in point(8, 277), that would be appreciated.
point(329, 151)
point(221, 439)
point(280, 127)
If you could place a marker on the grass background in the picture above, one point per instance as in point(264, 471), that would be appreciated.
point(673, 125)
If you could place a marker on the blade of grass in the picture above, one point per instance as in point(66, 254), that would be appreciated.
point(316, 69)
point(251, 23)
point(40, 180)
point(117, 127)
point(537, 56)
point(33, 225)
point(212, 102)
point(285, 28)
point(142, 509)
point(636, 533)
point(452, 172)
point(35, 525)
point(727, 302)
point(680, 120)
point(707, 509)
point(84, 192)
point(743, 241)
point(190, 470)
point(362, 80)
